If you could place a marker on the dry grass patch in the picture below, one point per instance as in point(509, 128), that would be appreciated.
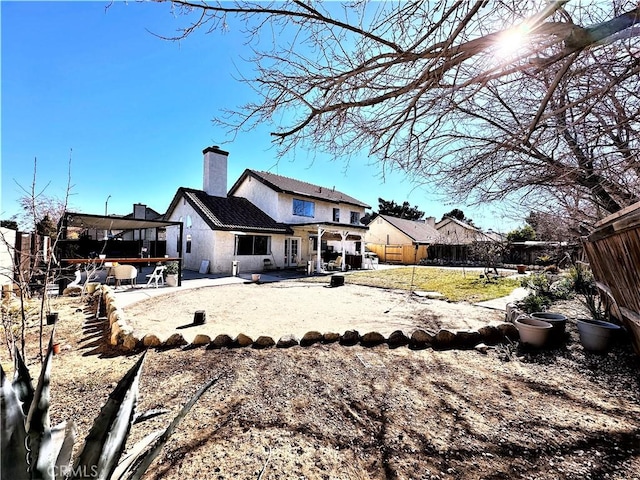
point(455, 285)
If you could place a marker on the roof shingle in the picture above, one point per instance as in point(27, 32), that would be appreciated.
point(231, 213)
point(293, 186)
point(418, 231)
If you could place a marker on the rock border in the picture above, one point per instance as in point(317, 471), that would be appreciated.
point(122, 335)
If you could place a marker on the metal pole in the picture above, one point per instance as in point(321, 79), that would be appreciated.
point(106, 204)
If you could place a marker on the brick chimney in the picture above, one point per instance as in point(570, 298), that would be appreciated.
point(215, 171)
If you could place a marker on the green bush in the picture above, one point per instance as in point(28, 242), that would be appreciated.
point(563, 289)
point(534, 303)
point(538, 283)
point(172, 268)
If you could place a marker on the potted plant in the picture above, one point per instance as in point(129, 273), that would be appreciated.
point(597, 332)
point(171, 274)
point(557, 320)
point(533, 331)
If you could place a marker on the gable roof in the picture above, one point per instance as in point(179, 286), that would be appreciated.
point(418, 231)
point(480, 235)
point(464, 225)
point(149, 214)
point(228, 213)
point(292, 186)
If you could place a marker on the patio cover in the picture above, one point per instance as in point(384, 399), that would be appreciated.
point(336, 231)
point(102, 222)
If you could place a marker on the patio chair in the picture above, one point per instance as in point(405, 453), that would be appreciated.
point(268, 264)
point(125, 272)
point(156, 277)
point(335, 264)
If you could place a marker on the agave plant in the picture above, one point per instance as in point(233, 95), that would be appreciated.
point(32, 449)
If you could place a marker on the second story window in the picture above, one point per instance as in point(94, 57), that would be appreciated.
point(355, 218)
point(303, 208)
point(336, 214)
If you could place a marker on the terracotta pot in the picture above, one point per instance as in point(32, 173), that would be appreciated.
point(521, 268)
point(557, 320)
point(596, 335)
point(56, 349)
point(532, 331)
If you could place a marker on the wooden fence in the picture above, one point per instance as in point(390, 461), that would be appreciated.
point(613, 250)
point(398, 254)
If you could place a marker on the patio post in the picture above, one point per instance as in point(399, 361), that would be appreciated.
point(343, 234)
point(319, 255)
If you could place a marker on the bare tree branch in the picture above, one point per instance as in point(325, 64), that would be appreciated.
point(431, 89)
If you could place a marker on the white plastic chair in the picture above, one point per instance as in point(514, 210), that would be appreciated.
point(125, 272)
point(156, 277)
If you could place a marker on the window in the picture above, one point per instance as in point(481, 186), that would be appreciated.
point(188, 250)
point(303, 208)
point(355, 218)
point(313, 241)
point(253, 245)
point(336, 214)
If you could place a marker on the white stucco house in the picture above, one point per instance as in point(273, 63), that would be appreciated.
point(263, 221)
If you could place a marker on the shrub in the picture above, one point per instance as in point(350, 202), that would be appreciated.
point(534, 303)
point(538, 283)
point(172, 268)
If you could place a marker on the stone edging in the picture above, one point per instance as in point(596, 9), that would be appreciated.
point(122, 335)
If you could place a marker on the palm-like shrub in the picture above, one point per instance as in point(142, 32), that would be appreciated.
point(32, 449)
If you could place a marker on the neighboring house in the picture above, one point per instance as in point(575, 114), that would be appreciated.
point(398, 240)
point(455, 232)
point(22, 255)
point(456, 238)
point(7, 251)
point(265, 219)
point(142, 212)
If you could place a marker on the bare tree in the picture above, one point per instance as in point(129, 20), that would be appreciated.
point(494, 100)
point(42, 266)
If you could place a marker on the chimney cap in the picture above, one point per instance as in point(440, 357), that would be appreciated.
point(214, 149)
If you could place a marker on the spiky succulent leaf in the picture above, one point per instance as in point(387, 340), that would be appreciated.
point(63, 437)
point(38, 426)
point(22, 383)
point(143, 416)
point(106, 439)
point(133, 454)
point(13, 463)
point(143, 462)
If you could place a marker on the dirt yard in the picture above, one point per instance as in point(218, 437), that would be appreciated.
point(296, 307)
point(333, 412)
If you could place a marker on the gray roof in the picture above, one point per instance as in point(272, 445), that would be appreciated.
point(418, 230)
point(480, 235)
point(298, 187)
point(228, 213)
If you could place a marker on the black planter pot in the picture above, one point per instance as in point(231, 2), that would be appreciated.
point(52, 318)
point(200, 317)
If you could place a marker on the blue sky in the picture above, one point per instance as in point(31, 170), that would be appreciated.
point(133, 112)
